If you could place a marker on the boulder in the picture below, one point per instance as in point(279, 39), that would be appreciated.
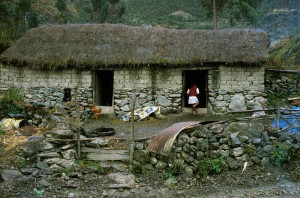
point(237, 103)
point(163, 101)
point(10, 175)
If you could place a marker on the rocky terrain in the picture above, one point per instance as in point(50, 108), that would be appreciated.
point(91, 179)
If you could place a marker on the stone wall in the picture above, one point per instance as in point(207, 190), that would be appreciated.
point(234, 143)
point(46, 87)
point(285, 84)
point(230, 87)
point(162, 87)
point(234, 88)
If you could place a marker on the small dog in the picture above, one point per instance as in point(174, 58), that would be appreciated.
point(96, 112)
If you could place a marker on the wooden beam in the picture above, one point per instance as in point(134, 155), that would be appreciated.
point(107, 157)
point(103, 151)
point(248, 111)
point(284, 71)
point(295, 98)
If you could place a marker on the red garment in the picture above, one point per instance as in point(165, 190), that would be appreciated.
point(193, 91)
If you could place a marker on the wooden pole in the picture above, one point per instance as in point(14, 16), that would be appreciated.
point(77, 123)
point(215, 15)
point(278, 117)
point(131, 148)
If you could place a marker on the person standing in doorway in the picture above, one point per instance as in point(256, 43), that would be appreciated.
point(193, 91)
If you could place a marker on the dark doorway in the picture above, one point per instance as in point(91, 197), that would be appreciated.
point(200, 77)
point(103, 88)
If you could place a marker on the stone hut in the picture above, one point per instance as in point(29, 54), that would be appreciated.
point(106, 62)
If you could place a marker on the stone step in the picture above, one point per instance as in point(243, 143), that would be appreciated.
point(101, 154)
point(3, 90)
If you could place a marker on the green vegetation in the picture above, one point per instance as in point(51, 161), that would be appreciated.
point(174, 169)
point(2, 131)
point(18, 16)
point(280, 154)
point(22, 163)
point(66, 170)
point(137, 167)
point(276, 99)
point(87, 166)
point(250, 149)
point(11, 102)
point(163, 13)
point(210, 166)
point(286, 54)
point(234, 10)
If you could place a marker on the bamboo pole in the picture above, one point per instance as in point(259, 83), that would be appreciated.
point(131, 147)
point(278, 117)
point(77, 123)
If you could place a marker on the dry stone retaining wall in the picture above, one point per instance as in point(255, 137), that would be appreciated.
point(234, 142)
point(287, 85)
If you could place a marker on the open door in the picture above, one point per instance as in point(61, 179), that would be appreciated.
point(103, 88)
point(200, 77)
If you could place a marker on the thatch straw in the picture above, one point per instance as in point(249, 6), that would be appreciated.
point(98, 45)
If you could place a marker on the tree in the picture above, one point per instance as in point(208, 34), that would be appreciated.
point(237, 10)
point(108, 10)
point(61, 6)
point(32, 20)
point(23, 7)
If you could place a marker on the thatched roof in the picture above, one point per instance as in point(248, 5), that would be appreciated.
point(97, 45)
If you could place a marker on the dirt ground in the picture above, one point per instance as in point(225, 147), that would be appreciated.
point(256, 181)
point(151, 125)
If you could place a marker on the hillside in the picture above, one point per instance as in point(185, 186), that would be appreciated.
point(286, 54)
point(279, 18)
point(170, 14)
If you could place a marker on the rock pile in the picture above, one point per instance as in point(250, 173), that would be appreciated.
point(58, 152)
point(55, 150)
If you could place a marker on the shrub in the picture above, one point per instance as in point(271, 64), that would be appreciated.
point(11, 102)
point(208, 166)
point(204, 167)
point(275, 99)
point(217, 165)
point(251, 149)
point(280, 154)
point(175, 169)
point(137, 168)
